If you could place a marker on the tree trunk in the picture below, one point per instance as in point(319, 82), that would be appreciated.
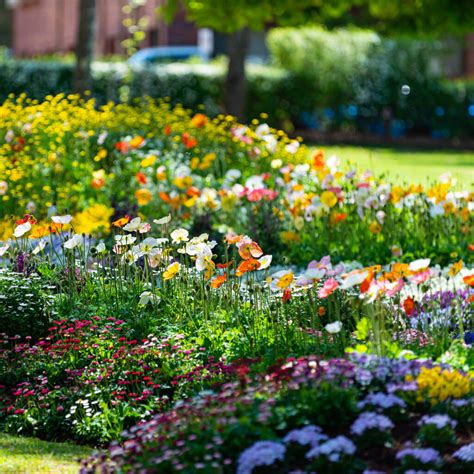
point(235, 84)
point(85, 46)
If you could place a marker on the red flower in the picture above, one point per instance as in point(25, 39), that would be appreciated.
point(27, 218)
point(286, 295)
point(409, 306)
point(141, 178)
point(122, 147)
point(188, 141)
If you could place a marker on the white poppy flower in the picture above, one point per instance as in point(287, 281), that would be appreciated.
point(179, 235)
point(62, 219)
point(420, 264)
point(163, 220)
point(101, 248)
point(315, 273)
point(74, 241)
point(133, 225)
point(41, 245)
point(265, 262)
point(148, 297)
point(3, 250)
point(352, 279)
point(22, 229)
point(333, 328)
point(125, 239)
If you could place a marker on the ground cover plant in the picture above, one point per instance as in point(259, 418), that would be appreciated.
point(204, 296)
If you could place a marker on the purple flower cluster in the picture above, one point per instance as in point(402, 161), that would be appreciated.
point(309, 435)
point(262, 453)
point(440, 421)
point(465, 453)
point(333, 449)
point(422, 455)
point(441, 310)
point(382, 401)
point(371, 421)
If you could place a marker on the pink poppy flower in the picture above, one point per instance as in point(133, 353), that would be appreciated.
point(329, 287)
point(420, 277)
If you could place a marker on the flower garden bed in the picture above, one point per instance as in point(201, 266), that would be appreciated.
point(211, 297)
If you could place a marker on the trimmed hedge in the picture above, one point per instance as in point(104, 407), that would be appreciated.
point(292, 99)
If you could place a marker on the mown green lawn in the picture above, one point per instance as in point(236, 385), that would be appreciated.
point(20, 455)
point(409, 166)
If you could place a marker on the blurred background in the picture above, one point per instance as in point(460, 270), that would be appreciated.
point(339, 72)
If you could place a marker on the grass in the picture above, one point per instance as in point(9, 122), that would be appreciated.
point(30, 455)
point(409, 166)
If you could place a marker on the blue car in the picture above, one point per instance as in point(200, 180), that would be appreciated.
point(165, 54)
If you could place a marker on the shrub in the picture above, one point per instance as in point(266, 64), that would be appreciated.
point(349, 87)
point(357, 80)
point(25, 310)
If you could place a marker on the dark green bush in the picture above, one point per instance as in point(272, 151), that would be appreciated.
point(295, 98)
point(359, 81)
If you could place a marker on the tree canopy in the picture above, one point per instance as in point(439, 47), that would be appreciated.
point(387, 16)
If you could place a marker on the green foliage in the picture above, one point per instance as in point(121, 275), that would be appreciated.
point(230, 16)
point(424, 16)
point(371, 88)
point(329, 61)
point(459, 355)
point(25, 310)
point(371, 75)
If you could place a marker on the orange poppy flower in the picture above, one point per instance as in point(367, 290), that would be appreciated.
point(193, 191)
point(199, 120)
point(400, 270)
point(137, 141)
point(143, 196)
point(164, 197)
point(318, 160)
point(247, 266)
point(43, 230)
point(248, 249)
point(233, 238)
point(219, 281)
point(224, 265)
point(469, 280)
point(122, 221)
point(167, 130)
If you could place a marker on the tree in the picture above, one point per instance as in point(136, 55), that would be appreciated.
point(85, 46)
point(237, 17)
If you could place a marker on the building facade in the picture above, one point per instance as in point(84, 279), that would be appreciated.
point(41, 27)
